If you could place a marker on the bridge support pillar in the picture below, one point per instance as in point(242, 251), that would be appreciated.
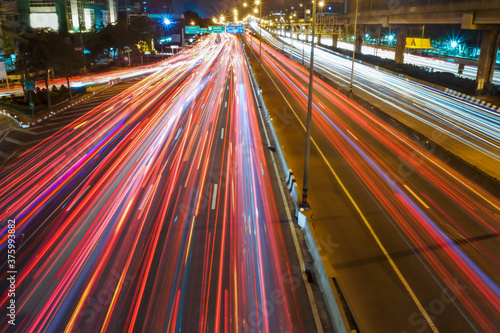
point(487, 57)
point(335, 39)
point(400, 45)
point(358, 42)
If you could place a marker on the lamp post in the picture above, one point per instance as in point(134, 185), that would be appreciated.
point(291, 36)
point(303, 42)
point(354, 48)
point(259, 3)
point(305, 205)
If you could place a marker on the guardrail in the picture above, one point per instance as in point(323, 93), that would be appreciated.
point(52, 113)
point(322, 278)
point(290, 179)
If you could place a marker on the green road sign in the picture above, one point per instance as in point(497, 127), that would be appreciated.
point(29, 85)
point(189, 29)
point(204, 30)
point(216, 29)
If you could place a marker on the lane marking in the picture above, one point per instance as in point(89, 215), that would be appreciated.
point(214, 196)
point(262, 169)
point(80, 125)
point(365, 221)
point(225, 105)
point(178, 133)
point(354, 136)
point(4, 155)
point(17, 142)
point(222, 133)
point(416, 196)
point(312, 301)
point(146, 197)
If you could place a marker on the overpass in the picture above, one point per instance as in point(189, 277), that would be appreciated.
point(478, 15)
point(470, 15)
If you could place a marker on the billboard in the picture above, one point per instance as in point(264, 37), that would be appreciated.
point(176, 38)
point(44, 20)
point(3, 71)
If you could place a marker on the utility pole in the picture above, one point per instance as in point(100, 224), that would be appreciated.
point(291, 36)
point(354, 48)
point(258, 2)
point(305, 205)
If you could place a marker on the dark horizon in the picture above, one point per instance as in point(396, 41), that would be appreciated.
point(207, 9)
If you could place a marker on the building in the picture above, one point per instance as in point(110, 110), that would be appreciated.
point(71, 16)
point(160, 6)
point(146, 6)
point(328, 8)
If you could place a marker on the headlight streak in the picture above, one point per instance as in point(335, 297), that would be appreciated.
point(474, 126)
point(474, 262)
point(115, 209)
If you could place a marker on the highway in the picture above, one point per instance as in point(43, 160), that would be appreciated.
point(413, 243)
point(16, 140)
point(156, 211)
point(469, 131)
point(436, 64)
point(87, 79)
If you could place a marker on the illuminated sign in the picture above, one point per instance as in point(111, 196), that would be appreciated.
point(216, 29)
point(192, 30)
point(44, 20)
point(235, 29)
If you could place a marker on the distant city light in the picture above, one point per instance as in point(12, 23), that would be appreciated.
point(454, 44)
point(391, 38)
point(167, 21)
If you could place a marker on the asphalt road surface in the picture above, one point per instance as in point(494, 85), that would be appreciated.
point(469, 131)
point(156, 211)
point(413, 243)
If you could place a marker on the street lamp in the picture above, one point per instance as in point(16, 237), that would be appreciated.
point(291, 36)
point(305, 205)
point(354, 48)
point(258, 3)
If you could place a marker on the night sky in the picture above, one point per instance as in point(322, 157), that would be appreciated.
point(209, 8)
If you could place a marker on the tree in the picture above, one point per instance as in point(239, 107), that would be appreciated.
point(126, 34)
point(8, 33)
point(191, 16)
point(67, 61)
point(42, 53)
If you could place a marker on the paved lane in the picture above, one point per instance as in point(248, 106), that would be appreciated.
point(414, 243)
point(155, 211)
